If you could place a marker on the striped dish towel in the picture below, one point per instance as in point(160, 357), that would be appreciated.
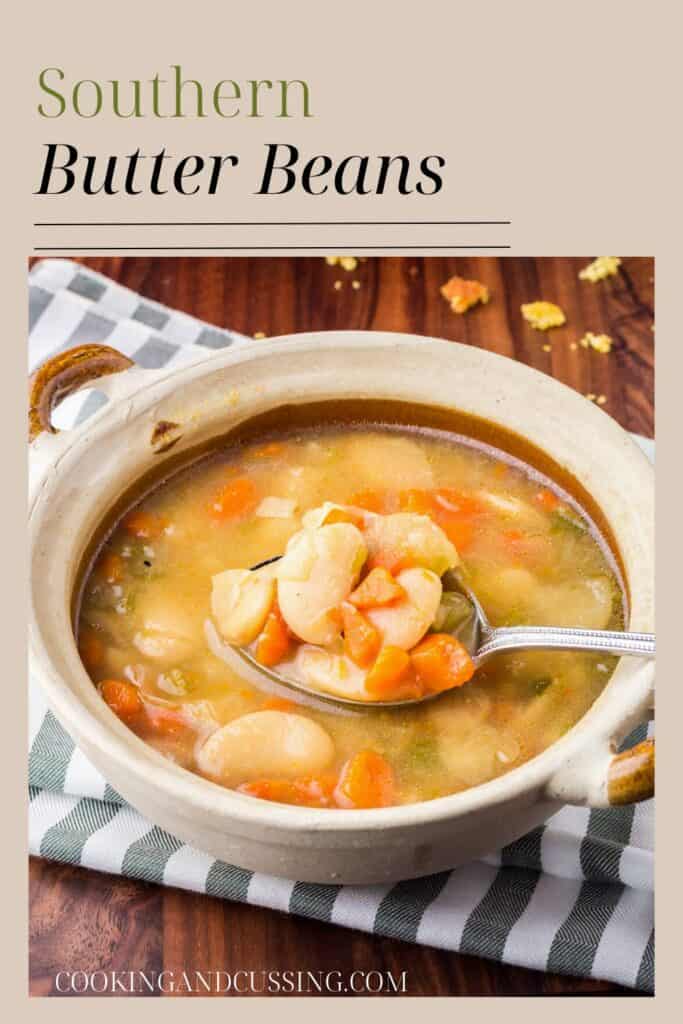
point(574, 896)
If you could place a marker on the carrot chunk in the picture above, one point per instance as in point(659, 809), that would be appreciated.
point(268, 451)
point(165, 722)
point(144, 525)
point(234, 499)
point(91, 649)
point(313, 792)
point(272, 644)
point(122, 697)
point(366, 780)
point(111, 567)
point(547, 500)
point(378, 588)
point(278, 704)
point(373, 501)
point(345, 515)
point(449, 499)
point(441, 662)
point(455, 513)
point(392, 676)
point(417, 501)
point(361, 640)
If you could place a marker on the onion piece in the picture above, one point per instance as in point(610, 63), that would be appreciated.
point(276, 508)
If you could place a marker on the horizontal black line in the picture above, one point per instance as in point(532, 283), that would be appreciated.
point(260, 248)
point(266, 223)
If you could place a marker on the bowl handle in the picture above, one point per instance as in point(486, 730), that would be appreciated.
point(63, 374)
point(631, 775)
point(606, 779)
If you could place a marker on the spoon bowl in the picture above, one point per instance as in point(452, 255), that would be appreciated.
point(482, 641)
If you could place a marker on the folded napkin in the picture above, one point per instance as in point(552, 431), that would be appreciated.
point(574, 896)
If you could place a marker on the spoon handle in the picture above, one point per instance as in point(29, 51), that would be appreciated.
point(524, 638)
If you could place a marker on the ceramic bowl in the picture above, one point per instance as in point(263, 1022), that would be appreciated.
point(152, 415)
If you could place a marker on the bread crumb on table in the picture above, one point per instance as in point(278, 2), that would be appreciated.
point(600, 268)
point(462, 294)
point(259, 335)
point(543, 315)
point(598, 342)
point(348, 263)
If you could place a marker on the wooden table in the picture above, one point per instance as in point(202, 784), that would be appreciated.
point(81, 920)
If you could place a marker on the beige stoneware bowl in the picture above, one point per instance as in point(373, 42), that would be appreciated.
point(152, 415)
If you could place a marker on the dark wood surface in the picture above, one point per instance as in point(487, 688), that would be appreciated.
point(81, 920)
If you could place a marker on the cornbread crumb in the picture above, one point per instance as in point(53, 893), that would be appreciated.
point(345, 262)
point(599, 342)
point(547, 348)
point(601, 399)
point(573, 346)
point(462, 294)
point(338, 285)
point(543, 315)
point(355, 285)
point(591, 397)
point(600, 268)
point(259, 335)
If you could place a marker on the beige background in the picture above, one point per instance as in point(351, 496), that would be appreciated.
point(560, 117)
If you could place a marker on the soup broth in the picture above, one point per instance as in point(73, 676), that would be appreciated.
point(531, 554)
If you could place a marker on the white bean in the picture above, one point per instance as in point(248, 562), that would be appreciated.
point(367, 456)
point(407, 537)
point(404, 623)
point(240, 602)
point(318, 571)
point(169, 634)
point(329, 672)
point(265, 744)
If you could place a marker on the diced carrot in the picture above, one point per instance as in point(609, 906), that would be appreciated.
point(454, 501)
point(459, 530)
point(377, 589)
point(373, 501)
point(512, 537)
point(345, 515)
point(547, 500)
point(122, 697)
point(392, 676)
point(165, 721)
point(278, 704)
point(268, 451)
point(455, 513)
point(441, 662)
point(312, 792)
point(111, 567)
point(91, 649)
point(417, 501)
point(390, 561)
point(366, 780)
point(272, 644)
point(236, 498)
point(144, 525)
point(362, 640)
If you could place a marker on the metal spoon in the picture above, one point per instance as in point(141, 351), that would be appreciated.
point(483, 640)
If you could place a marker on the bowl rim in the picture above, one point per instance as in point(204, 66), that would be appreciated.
point(98, 728)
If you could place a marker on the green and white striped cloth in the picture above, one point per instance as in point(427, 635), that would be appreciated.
point(573, 897)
